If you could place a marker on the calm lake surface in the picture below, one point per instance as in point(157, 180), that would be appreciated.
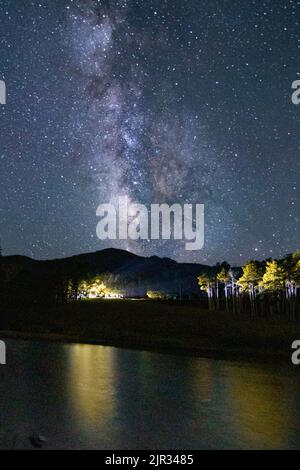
point(94, 397)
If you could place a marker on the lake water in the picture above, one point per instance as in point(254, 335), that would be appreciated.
point(94, 397)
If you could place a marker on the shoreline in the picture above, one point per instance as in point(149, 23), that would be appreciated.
point(228, 354)
point(167, 328)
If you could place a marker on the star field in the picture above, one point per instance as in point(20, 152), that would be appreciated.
point(162, 101)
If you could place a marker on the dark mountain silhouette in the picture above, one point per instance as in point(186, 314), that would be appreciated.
point(135, 274)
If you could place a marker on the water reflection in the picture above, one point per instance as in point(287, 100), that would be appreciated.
point(82, 396)
point(203, 380)
point(262, 405)
point(91, 383)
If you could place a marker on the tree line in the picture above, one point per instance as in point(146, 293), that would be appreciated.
point(267, 288)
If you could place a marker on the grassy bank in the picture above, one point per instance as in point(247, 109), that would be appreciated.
point(153, 325)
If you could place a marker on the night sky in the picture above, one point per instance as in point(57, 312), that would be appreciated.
point(160, 100)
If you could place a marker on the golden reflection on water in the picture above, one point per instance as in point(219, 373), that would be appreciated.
point(259, 405)
point(235, 405)
point(203, 380)
point(92, 382)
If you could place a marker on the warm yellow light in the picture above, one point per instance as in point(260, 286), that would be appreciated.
point(95, 289)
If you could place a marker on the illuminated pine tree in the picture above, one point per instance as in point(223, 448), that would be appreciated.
point(275, 277)
point(208, 284)
point(292, 284)
point(251, 277)
point(295, 269)
point(224, 276)
point(249, 282)
point(296, 273)
point(205, 282)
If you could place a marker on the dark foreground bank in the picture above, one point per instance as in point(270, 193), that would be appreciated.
point(173, 327)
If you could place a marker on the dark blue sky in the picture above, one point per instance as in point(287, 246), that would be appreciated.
point(164, 101)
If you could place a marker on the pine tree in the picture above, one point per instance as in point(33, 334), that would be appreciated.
point(249, 282)
point(274, 278)
point(251, 277)
point(224, 278)
point(208, 284)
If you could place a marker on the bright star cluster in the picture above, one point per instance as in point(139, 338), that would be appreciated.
point(176, 101)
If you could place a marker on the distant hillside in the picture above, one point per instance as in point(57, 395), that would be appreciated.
point(136, 273)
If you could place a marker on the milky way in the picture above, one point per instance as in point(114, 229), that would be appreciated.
point(162, 101)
